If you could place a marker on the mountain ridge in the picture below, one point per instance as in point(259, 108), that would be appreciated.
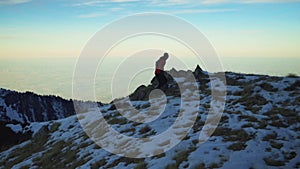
point(258, 129)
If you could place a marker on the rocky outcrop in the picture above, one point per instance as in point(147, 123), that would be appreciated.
point(142, 92)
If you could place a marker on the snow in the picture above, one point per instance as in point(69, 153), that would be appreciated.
point(6, 153)
point(179, 79)
point(251, 77)
point(284, 83)
point(234, 89)
point(36, 126)
point(57, 106)
point(267, 107)
point(23, 163)
point(32, 114)
point(15, 127)
point(13, 115)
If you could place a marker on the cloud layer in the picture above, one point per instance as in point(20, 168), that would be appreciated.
point(11, 2)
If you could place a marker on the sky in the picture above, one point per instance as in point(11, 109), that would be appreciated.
point(236, 28)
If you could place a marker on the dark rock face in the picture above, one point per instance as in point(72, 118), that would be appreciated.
point(200, 75)
point(8, 137)
point(29, 107)
point(142, 92)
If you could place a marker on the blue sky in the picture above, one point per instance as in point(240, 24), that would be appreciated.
point(237, 28)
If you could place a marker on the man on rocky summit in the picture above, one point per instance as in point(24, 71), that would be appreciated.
point(159, 71)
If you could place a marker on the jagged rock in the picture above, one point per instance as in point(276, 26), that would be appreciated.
point(198, 69)
point(168, 75)
point(141, 93)
point(199, 73)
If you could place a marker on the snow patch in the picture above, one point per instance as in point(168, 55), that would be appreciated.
point(15, 127)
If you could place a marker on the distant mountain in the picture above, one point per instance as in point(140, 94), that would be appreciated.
point(259, 127)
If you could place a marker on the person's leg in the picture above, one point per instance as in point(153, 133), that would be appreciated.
point(157, 80)
point(162, 80)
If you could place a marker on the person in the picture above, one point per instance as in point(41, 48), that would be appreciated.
point(159, 70)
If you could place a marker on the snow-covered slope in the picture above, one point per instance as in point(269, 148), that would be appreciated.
point(259, 129)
